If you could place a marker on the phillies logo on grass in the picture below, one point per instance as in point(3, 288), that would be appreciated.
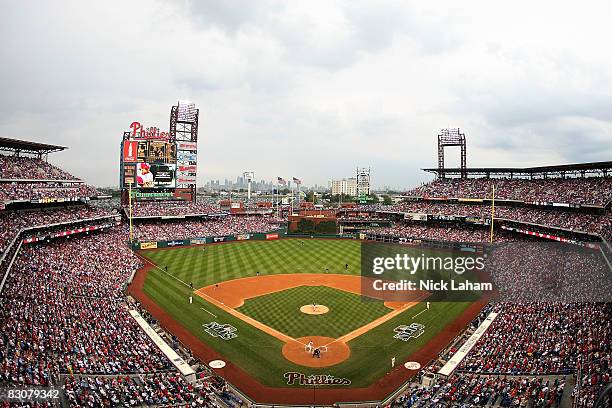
point(406, 333)
point(294, 378)
point(223, 331)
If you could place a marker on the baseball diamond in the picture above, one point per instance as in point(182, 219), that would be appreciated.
point(259, 288)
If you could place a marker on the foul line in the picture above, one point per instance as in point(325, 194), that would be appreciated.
point(419, 313)
point(265, 328)
point(383, 319)
point(167, 273)
point(212, 314)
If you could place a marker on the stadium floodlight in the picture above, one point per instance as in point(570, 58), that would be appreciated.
point(447, 138)
point(249, 176)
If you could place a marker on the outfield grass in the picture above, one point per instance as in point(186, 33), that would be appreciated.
point(205, 265)
point(258, 352)
point(281, 311)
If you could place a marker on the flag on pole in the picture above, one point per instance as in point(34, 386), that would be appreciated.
point(282, 181)
point(297, 180)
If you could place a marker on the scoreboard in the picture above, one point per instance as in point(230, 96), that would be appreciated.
point(153, 160)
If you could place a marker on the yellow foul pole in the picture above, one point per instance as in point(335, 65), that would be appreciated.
point(492, 213)
point(130, 208)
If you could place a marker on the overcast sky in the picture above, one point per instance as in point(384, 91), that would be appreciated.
point(312, 89)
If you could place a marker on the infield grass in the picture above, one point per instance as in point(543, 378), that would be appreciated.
point(281, 311)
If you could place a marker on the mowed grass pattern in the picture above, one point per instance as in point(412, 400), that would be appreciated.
point(281, 311)
point(205, 265)
point(370, 353)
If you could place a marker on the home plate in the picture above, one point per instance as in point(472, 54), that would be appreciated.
point(216, 364)
point(412, 365)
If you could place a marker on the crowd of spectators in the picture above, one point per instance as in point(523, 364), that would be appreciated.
point(575, 221)
point(596, 223)
point(185, 229)
point(542, 338)
point(590, 190)
point(549, 272)
point(469, 390)
point(15, 191)
point(594, 376)
point(29, 168)
point(165, 389)
point(63, 311)
point(454, 233)
point(171, 208)
point(548, 338)
point(11, 222)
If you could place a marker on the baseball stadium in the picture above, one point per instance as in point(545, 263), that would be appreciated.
point(305, 204)
point(163, 296)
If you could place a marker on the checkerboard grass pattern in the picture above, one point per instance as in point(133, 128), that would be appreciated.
point(205, 265)
point(281, 311)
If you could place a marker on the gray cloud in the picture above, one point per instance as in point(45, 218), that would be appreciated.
point(310, 89)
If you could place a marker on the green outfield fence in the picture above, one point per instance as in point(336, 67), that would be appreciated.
point(257, 236)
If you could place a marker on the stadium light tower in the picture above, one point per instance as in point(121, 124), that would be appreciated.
point(184, 118)
point(249, 176)
point(451, 137)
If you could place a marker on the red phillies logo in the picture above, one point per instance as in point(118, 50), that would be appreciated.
point(139, 132)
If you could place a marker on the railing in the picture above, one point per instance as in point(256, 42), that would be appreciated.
point(10, 265)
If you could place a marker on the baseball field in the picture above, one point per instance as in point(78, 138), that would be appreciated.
point(265, 306)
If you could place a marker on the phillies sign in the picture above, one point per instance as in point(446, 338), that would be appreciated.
point(295, 378)
point(139, 132)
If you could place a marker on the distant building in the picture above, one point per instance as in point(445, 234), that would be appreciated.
point(344, 186)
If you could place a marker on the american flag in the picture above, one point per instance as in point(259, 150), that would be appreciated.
point(297, 180)
point(282, 181)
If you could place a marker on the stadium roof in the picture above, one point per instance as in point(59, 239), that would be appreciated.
point(578, 168)
point(7, 144)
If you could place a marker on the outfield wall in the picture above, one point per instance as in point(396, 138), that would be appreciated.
point(258, 236)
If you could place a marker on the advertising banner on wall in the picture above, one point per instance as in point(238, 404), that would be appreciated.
point(415, 217)
point(187, 168)
point(474, 220)
point(186, 156)
point(188, 179)
point(154, 196)
point(130, 149)
point(187, 146)
point(129, 175)
point(148, 245)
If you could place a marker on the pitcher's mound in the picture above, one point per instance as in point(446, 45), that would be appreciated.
point(332, 351)
point(314, 310)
